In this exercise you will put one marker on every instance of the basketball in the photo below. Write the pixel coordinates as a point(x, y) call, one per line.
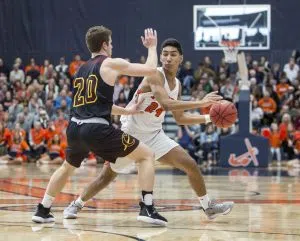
point(223, 114)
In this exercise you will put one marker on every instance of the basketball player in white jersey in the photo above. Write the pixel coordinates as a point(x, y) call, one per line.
point(160, 94)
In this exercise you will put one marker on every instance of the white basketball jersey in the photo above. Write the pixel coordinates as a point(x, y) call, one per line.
point(152, 118)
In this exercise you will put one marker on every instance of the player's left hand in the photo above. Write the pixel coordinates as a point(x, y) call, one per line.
point(210, 99)
point(150, 38)
point(134, 107)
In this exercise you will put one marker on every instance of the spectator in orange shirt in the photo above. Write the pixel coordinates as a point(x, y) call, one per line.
point(44, 68)
point(285, 120)
point(282, 88)
point(5, 139)
point(268, 106)
point(37, 140)
point(55, 151)
point(21, 131)
point(74, 66)
point(275, 142)
point(267, 103)
point(32, 69)
point(17, 150)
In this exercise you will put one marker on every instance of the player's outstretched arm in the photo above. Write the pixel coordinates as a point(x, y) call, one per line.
point(156, 83)
point(150, 42)
point(121, 66)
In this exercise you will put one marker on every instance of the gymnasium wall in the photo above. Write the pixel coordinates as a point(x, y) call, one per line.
point(54, 28)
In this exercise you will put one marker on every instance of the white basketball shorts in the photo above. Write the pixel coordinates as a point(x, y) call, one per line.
point(158, 142)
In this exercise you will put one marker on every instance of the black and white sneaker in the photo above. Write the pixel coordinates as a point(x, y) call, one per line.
point(42, 215)
point(148, 214)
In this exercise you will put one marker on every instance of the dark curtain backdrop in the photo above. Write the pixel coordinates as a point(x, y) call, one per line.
point(54, 28)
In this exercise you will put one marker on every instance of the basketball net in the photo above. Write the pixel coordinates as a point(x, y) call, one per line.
point(230, 49)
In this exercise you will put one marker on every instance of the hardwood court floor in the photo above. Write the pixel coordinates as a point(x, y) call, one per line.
point(267, 207)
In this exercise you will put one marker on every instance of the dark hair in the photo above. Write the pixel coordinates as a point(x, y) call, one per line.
point(96, 36)
point(171, 42)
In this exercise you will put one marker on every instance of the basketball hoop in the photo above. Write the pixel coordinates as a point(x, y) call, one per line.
point(230, 49)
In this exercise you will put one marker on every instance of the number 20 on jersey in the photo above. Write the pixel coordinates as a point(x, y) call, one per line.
point(86, 90)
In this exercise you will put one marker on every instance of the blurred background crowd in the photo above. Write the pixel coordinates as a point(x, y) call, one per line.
point(35, 101)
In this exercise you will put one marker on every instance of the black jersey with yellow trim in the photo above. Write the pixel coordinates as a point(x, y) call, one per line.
point(92, 97)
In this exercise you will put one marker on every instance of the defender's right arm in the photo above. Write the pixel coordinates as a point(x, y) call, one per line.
point(116, 66)
point(121, 66)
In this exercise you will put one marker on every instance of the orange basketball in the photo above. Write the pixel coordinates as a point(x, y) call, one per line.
point(223, 114)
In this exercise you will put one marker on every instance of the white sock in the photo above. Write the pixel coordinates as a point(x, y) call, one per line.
point(204, 200)
point(79, 202)
point(148, 199)
point(47, 200)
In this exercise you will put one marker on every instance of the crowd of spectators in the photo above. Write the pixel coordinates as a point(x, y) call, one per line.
point(35, 103)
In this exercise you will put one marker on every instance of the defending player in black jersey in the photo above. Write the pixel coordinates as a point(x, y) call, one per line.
point(90, 126)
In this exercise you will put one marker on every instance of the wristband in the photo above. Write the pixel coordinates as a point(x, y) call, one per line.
point(207, 119)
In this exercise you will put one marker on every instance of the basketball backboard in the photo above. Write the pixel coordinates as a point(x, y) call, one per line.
point(249, 24)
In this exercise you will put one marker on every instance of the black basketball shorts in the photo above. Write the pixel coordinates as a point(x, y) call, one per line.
point(103, 140)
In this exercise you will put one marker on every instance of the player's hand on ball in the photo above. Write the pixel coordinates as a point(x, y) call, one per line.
point(210, 99)
point(150, 38)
